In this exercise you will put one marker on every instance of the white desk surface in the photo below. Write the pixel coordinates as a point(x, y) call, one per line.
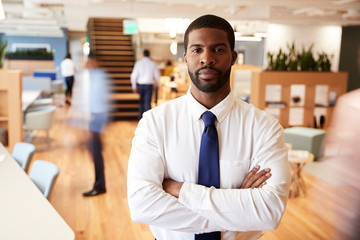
point(28, 97)
point(24, 211)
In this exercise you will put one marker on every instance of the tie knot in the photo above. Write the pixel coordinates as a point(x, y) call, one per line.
point(208, 118)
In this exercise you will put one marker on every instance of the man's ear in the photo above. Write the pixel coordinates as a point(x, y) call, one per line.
point(185, 57)
point(234, 57)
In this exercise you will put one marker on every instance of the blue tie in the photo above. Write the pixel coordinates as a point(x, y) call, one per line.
point(209, 174)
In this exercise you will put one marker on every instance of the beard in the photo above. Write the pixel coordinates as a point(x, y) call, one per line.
point(222, 78)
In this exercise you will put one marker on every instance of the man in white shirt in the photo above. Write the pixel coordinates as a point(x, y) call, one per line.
point(67, 67)
point(144, 77)
point(164, 160)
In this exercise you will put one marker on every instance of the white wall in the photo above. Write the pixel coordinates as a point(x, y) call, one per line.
point(325, 38)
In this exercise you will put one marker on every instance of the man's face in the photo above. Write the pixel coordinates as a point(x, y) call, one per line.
point(209, 59)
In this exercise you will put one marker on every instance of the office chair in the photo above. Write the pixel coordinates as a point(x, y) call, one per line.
point(44, 174)
point(42, 102)
point(23, 153)
point(40, 118)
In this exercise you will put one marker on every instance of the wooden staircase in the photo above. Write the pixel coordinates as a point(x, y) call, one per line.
point(115, 55)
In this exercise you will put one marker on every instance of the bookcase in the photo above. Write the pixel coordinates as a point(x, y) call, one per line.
point(298, 98)
point(11, 116)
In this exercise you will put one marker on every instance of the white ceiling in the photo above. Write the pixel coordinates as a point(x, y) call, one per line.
point(45, 17)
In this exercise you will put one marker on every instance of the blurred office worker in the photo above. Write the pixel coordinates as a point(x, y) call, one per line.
point(344, 163)
point(98, 107)
point(144, 78)
point(67, 67)
point(207, 165)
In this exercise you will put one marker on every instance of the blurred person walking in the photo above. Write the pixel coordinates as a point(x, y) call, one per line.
point(144, 77)
point(68, 70)
point(344, 163)
point(98, 102)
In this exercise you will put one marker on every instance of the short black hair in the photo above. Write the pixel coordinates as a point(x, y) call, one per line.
point(146, 53)
point(211, 21)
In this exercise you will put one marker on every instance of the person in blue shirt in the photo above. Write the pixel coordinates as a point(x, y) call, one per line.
point(98, 106)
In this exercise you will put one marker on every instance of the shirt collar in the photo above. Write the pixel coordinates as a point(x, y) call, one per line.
point(220, 110)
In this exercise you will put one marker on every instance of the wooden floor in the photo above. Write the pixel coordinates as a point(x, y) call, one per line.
point(106, 217)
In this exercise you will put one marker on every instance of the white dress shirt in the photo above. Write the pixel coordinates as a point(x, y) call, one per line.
point(67, 67)
point(166, 145)
point(145, 72)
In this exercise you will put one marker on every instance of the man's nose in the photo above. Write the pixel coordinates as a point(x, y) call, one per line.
point(207, 58)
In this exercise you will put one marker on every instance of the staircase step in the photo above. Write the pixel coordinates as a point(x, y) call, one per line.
point(124, 96)
point(126, 91)
point(108, 24)
point(116, 58)
point(113, 42)
point(106, 47)
point(124, 115)
point(121, 89)
point(109, 33)
point(115, 64)
point(119, 75)
point(119, 82)
point(104, 19)
point(124, 106)
point(107, 28)
point(123, 37)
point(114, 53)
point(118, 69)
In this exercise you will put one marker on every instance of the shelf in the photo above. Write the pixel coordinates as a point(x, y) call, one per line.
point(11, 115)
point(275, 91)
point(4, 118)
point(275, 104)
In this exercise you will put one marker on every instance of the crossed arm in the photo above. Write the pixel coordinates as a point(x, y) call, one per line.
point(253, 179)
point(190, 207)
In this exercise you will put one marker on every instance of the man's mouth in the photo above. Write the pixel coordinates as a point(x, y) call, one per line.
point(207, 74)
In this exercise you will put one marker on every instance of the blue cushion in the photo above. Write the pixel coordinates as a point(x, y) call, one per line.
point(51, 75)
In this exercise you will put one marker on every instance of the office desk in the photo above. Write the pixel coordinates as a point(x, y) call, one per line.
point(24, 211)
point(28, 97)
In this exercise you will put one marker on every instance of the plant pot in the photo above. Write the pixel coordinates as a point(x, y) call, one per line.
point(30, 57)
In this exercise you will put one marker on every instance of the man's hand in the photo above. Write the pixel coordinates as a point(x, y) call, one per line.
point(134, 90)
point(172, 187)
point(255, 179)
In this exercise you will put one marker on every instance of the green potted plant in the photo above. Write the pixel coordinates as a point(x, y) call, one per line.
point(279, 63)
point(306, 59)
point(299, 61)
point(271, 64)
point(293, 62)
point(324, 62)
point(37, 54)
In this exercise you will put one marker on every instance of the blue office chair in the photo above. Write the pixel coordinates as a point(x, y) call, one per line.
point(44, 174)
point(23, 153)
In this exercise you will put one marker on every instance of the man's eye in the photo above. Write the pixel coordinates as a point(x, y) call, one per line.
point(219, 50)
point(196, 50)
